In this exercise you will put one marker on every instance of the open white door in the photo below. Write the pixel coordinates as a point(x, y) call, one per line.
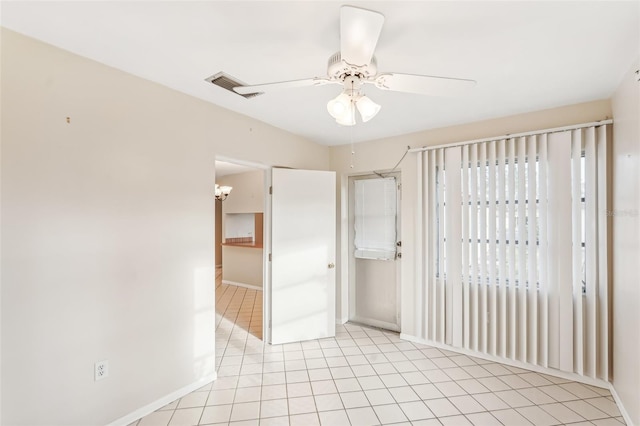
point(303, 232)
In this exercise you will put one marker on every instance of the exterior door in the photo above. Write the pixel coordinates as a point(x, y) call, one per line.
point(374, 235)
point(303, 240)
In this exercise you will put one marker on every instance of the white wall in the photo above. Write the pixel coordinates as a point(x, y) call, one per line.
point(239, 225)
point(384, 154)
point(107, 233)
point(625, 220)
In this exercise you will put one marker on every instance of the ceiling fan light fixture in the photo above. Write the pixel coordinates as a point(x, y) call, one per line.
point(341, 108)
point(347, 119)
point(339, 105)
point(367, 108)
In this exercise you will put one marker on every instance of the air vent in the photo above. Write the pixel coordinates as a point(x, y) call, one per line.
point(227, 82)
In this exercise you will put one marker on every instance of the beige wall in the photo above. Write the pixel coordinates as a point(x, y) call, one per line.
point(242, 266)
point(107, 233)
point(247, 195)
point(626, 243)
point(384, 154)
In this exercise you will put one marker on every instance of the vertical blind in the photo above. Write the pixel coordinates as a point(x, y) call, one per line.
point(512, 249)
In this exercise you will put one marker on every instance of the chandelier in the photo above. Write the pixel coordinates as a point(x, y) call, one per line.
point(222, 192)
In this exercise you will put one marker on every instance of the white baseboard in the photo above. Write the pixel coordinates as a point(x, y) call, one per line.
point(237, 284)
point(623, 411)
point(376, 323)
point(341, 321)
point(155, 405)
point(526, 366)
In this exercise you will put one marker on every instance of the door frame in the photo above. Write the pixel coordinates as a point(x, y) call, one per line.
point(348, 203)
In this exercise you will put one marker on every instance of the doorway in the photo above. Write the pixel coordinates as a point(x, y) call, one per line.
point(374, 250)
point(301, 288)
point(285, 226)
point(239, 224)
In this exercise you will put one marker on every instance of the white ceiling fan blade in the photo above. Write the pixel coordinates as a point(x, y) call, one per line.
point(267, 87)
point(359, 33)
point(424, 84)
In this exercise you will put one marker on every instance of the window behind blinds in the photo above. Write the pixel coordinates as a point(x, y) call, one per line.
point(375, 218)
point(511, 248)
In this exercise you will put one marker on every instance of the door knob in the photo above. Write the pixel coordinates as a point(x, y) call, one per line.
point(331, 265)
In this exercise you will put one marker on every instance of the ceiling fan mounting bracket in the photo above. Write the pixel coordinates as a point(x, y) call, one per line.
point(337, 69)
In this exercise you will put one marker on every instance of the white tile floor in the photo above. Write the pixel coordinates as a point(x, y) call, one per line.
point(368, 377)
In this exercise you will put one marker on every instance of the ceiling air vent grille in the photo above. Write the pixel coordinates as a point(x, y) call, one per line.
point(227, 82)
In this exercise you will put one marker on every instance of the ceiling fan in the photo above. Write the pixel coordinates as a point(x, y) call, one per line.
point(356, 65)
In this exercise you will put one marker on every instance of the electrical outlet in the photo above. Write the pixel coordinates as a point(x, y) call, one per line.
point(101, 370)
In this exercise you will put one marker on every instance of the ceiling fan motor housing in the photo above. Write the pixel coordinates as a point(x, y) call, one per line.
point(337, 69)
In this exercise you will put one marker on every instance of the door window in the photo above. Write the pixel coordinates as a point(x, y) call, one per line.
point(375, 218)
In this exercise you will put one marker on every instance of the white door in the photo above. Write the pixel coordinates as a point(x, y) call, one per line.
point(374, 245)
point(303, 232)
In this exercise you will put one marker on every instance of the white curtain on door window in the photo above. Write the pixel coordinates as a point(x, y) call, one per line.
point(375, 218)
point(511, 242)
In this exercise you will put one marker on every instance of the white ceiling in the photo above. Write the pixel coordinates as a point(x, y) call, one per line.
point(525, 56)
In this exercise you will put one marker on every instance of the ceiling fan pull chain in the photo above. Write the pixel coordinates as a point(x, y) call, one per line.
point(353, 151)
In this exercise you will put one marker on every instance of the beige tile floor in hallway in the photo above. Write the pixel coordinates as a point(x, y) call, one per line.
point(368, 377)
